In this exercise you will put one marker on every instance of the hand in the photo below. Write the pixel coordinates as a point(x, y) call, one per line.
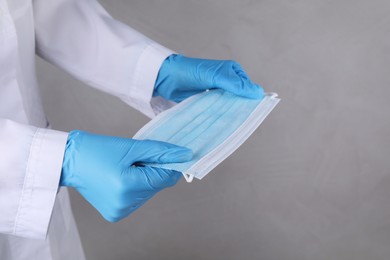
point(107, 172)
point(180, 77)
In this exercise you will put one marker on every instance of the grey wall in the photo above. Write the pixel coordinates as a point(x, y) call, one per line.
point(312, 184)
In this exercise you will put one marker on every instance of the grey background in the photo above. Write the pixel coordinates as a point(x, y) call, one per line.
point(312, 183)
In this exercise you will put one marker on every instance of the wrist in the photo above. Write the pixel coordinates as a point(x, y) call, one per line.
point(66, 171)
point(179, 78)
point(163, 74)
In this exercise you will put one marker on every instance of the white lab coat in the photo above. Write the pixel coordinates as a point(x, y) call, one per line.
point(83, 39)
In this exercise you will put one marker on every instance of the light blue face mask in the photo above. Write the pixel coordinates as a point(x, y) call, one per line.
point(213, 124)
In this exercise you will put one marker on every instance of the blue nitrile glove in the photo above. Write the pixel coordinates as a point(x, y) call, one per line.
point(181, 77)
point(107, 171)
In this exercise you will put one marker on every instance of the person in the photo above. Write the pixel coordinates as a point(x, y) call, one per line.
point(38, 163)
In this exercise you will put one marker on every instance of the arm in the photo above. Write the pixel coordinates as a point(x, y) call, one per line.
point(84, 40)
point(30, 169)
point(35, 161)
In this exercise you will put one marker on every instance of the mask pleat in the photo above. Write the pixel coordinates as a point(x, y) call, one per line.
point(203, 123)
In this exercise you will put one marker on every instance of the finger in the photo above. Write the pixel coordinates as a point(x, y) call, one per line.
point(150, 151)
point(243, 87)
point(251, 90)
point(152, 178)
point(239, 70)
point(236, 81)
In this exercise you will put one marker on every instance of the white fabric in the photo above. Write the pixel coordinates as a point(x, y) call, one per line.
point(80, 37)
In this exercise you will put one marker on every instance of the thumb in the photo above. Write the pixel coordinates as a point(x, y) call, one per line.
point(150, 151)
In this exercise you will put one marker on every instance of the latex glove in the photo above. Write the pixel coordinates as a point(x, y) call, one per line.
point(180, 77)
point(107, 172)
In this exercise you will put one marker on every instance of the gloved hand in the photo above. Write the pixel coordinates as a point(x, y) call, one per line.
point(180, 77)
point(107, 172)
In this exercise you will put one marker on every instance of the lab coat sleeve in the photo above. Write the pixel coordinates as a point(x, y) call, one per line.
point(83, 39)
point(30, 169)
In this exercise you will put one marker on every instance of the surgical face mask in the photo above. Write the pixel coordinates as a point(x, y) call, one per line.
point(213, 124)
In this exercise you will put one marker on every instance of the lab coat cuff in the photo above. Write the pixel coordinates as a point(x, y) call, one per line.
point(146, 73)
point(41, 183)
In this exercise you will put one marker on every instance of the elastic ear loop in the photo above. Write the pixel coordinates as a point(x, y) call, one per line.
point(188, 177)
